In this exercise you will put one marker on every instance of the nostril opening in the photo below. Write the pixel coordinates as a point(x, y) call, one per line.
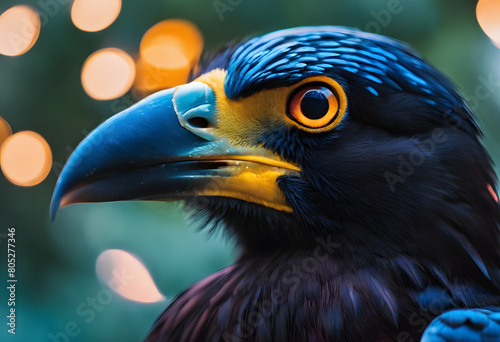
point(199, 122)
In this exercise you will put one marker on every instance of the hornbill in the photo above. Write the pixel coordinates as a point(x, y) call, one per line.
point(349, 170)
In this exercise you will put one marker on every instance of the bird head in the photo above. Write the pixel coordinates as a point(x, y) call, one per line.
point(306, 134)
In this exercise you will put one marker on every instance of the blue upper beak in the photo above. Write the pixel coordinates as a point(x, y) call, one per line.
point(136, 148)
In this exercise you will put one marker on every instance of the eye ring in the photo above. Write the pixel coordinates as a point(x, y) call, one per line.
point(313, 105)
point(317, 104)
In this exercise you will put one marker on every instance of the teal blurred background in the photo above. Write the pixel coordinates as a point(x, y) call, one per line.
point(41, 91)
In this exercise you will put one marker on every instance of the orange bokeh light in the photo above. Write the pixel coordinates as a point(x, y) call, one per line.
point(168, 51)
point(108, 74)
point(163, 67)
point(181, 34)
point(19, 30)
point(25, 158)
point(137, 286)
point(492, 192)
point(488, 16)
point(5, 130)
point(95, 15)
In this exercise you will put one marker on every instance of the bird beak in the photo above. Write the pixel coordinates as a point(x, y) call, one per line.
point(167, 147)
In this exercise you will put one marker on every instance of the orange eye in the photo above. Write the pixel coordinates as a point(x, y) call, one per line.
point(313, 105)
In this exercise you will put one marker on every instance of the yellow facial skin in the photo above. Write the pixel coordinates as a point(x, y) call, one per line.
point(243, 121)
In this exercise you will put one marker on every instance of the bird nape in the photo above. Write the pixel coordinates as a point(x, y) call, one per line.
point(349, 170)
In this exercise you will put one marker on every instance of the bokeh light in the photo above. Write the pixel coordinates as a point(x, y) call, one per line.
point(492, 192)
point(168, 51)
point(488, 16)
point(19, 30)
point(5, 130)
point(25, 158)
point(95, 15)
point(108, 74)
point(136, 285)
point(181, 34)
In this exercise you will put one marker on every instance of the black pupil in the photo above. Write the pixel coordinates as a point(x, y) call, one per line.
point(314, 104)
